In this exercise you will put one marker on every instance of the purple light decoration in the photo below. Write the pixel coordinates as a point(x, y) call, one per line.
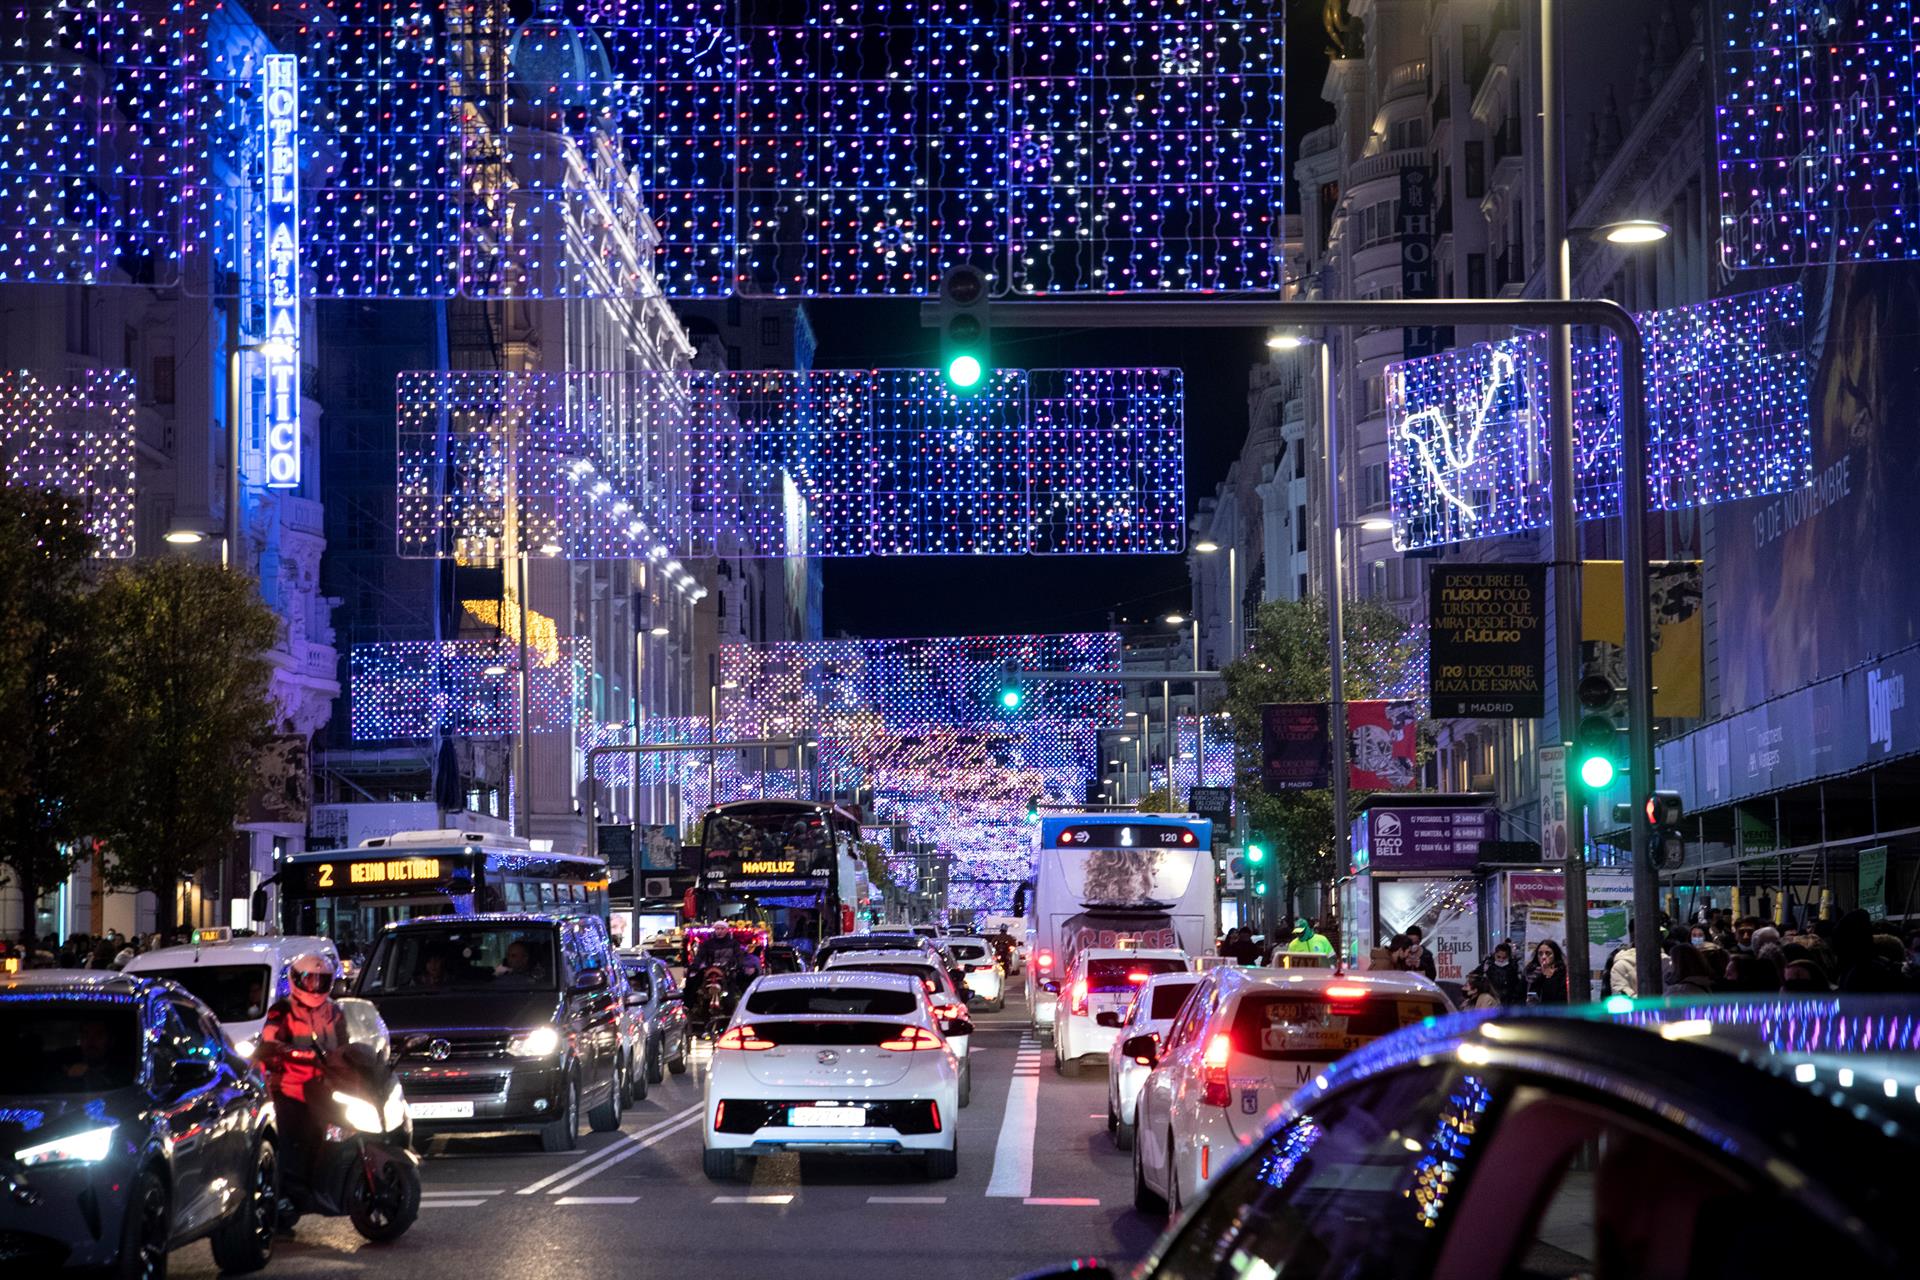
point(410, 689)
point(1727, 388)
point(1815, 128)
point(76, 436)
point(883, 462)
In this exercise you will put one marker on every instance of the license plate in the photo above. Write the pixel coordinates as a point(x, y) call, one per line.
point(440, 1110)
point(827, 1117)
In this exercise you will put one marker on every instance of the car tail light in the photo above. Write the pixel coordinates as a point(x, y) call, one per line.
point(1077, 996)
point(719, 1114)
point(935, 1108)
point(1349, 992)
point(1214, 1070)
point(742, 1037)
point(912, 1040)
point(1044, 960)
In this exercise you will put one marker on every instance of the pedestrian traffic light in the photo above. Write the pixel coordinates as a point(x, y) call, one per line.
point(1666, 843)
point(1010, 691)
point(1259, 888)
point(964, 339)
point(1597, 741)
point(1256, 855)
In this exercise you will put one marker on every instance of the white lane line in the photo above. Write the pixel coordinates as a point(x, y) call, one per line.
point(1013, 1153)
point(906, 1199)
point(460, 1194)
point(780, 1199)
point(451, 1204)
point(1069, 1202)
point(657, 1135)
point(600, 1155)
point(565, 1200)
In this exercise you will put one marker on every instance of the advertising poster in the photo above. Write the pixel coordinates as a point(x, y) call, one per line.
point(1383, 748)
point(1487, 655)
point(1296, 754)
point(1448, 913)
point(1536, 909)
point(1553, 804)
point(1873, 881)
point(1677, 591)
point(282, 787)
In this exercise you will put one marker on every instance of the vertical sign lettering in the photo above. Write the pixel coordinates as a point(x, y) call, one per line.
point(280, 353)
point(1419, 276)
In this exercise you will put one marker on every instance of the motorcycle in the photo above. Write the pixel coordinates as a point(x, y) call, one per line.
point(363, 1164)
point(711, 1005)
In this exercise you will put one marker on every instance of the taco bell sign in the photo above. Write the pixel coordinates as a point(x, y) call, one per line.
point(1434, 838)
point(280, 352)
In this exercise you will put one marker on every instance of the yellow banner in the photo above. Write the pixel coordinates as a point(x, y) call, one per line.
point(1677, 625)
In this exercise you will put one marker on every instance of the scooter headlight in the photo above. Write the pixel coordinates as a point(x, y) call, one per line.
point(360, 1113)
point(394, 1111)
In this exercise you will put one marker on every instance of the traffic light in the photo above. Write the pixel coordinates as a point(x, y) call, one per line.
point(1255, 855)
point(1033, 808)
point(965, 343)
point(1010, 691)
point(1666, 844)
point(1259, 888)
point(1596, 743)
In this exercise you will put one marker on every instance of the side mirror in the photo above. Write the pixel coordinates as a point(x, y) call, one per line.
point(259, 905)
point(1142, 1049)
point(1108, 1018)
point(590, 982)
point(956, 1026)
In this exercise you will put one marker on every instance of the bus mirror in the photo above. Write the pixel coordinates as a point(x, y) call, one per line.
point(259, 905)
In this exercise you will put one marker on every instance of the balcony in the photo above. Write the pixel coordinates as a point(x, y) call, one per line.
point(1407, 80)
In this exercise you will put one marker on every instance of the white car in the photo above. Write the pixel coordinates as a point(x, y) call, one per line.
point(1102, 980)
point(1244, 1040)
point(948, 1004)
point(238, 978)
point(846, 1061)
point(976, 958)
point(1155, 1002)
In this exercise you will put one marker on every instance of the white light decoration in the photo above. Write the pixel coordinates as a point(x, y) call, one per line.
point(76, 436)
point(1728, 418)
point(405, 689)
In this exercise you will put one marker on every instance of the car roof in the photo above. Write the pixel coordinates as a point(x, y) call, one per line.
point(528, 918)
point(41, 983)
point(967, 937)
point(236, 951)
point(880, 957)
point(1172, 976)
point(878, 938)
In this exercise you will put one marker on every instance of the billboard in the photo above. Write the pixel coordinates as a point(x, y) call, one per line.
point(1296, 752)
point(1383, 745)
point(1487, 641)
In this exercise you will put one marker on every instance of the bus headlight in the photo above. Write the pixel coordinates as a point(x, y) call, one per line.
point(540, 1042)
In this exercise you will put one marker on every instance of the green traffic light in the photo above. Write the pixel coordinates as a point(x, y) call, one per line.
point(1596, 772)
point(1259, 888)
point(1009, 698)
point(1255, 854)
point(965, 371)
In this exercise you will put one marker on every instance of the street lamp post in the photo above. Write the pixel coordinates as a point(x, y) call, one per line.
point(1336, 629)
point(1207, 547)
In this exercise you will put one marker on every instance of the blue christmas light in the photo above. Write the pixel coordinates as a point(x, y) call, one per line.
point(406, 689)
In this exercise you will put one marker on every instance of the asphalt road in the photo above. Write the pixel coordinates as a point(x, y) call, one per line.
point(1047, 1187)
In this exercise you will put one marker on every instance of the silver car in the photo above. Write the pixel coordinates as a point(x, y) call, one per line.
point(655, 1001)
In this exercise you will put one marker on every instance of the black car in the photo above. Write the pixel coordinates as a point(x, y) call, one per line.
point(128, 1127)
point(504, 1022)
point(1700, 1139)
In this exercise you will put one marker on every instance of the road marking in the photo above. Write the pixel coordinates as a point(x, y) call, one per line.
point(460, 1193)
point(594, 1160)
point(565, 1200)
point(1068, 1202)
point(1013, 1153)
point(656, 1135)
point(906, 1199)
point(781, 1199)
point(451, 1204)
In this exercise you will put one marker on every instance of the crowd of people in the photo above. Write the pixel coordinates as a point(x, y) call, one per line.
point(109, 950)
point(1718, 953)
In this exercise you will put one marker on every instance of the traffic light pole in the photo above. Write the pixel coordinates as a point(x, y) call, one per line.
point(1233, 313)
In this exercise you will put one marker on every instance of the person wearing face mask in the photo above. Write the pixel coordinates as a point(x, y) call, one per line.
point(1504, 979)
point(1697, 935)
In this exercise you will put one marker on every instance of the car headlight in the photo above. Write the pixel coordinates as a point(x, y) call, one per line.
point(538, 1043)
point(395, 1109)
point(360, 1113)
point(89, 1147)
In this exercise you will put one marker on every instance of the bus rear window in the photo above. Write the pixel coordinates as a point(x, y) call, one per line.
point(1310, 1027)
point(1125, 975)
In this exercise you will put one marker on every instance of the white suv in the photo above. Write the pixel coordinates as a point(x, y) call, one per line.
point(1243, 1042)
point(1102, 981)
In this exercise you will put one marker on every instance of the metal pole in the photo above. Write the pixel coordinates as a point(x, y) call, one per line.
point(1639, 646)
point(523, 740)
point(1166, 726)
point(1233, 604)
point(232, 551)
point(1336, 628)
point(1566, 526)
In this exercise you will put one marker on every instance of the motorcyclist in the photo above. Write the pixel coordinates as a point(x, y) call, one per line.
point(299, 1032)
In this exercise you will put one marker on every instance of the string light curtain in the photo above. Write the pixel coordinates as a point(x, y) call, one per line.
point(881, 462)
point(415, 689)
point(76, 435)
point(1728, 418)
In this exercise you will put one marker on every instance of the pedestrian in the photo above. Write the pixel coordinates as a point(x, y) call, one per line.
point(1623, 971)
point(1398, 956)
point(1861, 967)
point(1479, 994)
point(1805, 976)
point(1548, 985)
point(1697, 935)
point(1423, 959)
point(1691, 977)
point(1503, 975)
point(1749, 974)
point(1306, 942)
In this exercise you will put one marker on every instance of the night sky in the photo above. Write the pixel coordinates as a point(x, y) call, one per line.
point(974, 595)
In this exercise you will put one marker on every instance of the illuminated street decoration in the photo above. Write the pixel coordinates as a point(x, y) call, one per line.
point(280, 203)
point(1727, 387)
point(1819, 161)
point(76, 436)
point(836, 147)
point(884, 462)
point(408, 689)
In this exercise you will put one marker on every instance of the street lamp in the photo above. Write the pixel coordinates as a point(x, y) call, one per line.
point(1284, 341)
point(1377, 524)
point(1207, 547)
point(1629, 232)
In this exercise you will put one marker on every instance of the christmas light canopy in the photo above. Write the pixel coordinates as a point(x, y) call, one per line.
point(75, 435)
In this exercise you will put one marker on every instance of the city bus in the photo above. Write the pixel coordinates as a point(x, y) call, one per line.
point(349, 895)
point(1114, 879)
point(792, 867)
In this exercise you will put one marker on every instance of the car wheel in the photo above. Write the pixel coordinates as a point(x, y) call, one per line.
point(244, 1242)
point(146, 1229)
point(638, 1082)
point(605, 1118)
point(1113, 1121)
point(679, 1063)
point(720, 1166)
point(943, 1166)
point(1145, 1199)
point(1173, 1178)
point(1064, 1066)
point(966, 1083)
point(564, 1134)
point(656, 1053)
point(1123, 1135)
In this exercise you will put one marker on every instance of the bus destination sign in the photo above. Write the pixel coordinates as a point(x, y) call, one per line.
point(1133, 835)
point(373, 875)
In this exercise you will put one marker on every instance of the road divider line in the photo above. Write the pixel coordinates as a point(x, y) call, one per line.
point(566, 1200)
point(451, 1204)
point(595, 1157)
point(1013, 1152)
point(786, 1198)
point(460, 1193)
point(657, 1135)
point(1066, 1202)
point(906, 1199)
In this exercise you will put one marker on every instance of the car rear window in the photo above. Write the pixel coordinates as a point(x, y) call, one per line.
point(1312, 1027)
point(929, 976)
point(1168, 997)
point(968, 951)
point(235, 992)
point(1125, 975)
point(876, 1001)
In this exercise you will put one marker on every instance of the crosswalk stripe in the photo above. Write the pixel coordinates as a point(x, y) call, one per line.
point(1068, 1202)
point(780, 1199)
point(451, 1204)
point(1013, 1152)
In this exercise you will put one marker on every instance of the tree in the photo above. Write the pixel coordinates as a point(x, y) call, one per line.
point(1158, 800)
point(53, 756)
point(188, 681)
point(1287, 661)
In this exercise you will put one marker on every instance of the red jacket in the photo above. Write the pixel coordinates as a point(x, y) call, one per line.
point(293, 1041)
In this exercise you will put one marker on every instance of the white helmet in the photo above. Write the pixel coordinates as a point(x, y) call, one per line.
point(311, 978)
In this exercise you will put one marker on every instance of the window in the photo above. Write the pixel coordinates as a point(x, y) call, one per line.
point(1377, 580)
point(1375, 390)
point(1476, 170)
point(1374, 486)
point(1353, 1188)
point(1406, 134)
point(235, 992)
point(770, 331)
point(883, 1002)
point(1476, 275)
point(1300, 527)
point(1168, 997)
